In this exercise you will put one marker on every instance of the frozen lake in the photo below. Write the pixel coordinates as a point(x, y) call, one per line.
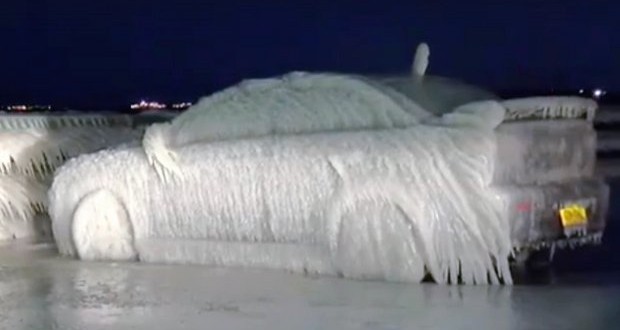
point(39, 290)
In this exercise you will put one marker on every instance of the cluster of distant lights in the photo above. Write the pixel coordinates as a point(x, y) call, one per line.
point(597, 93)
point(183, 105)
point(24, 107)
point(144, 105)
point(147, 105)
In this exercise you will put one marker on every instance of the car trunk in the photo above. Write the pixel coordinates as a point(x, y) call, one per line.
point(545, 170)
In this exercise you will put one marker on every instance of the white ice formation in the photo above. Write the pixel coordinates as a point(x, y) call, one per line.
point(293, 104)
point(420, 61)
point(32, 147)
point(384, 204)
point(319, 173)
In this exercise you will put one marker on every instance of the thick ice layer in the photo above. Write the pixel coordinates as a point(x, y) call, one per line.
point(37, 152)
point(540, 152)
point(291, 104)
point(533, 209)
point(20, 198)
point(52, 121)
point(32, 147)
point(550, 107)
point(384, 204)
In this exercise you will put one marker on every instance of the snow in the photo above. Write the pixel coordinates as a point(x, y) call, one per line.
point(371, 204)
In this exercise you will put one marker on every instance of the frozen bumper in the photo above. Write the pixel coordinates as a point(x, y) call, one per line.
point(534, 213)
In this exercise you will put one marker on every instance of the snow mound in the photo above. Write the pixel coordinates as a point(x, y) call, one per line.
point(292, 104)
point(388, 204)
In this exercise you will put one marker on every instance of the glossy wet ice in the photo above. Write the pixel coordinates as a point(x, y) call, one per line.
point(39, 290)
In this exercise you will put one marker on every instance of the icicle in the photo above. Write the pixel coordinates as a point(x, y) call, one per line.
point(32, 147)
point(159, 155)
point(17, 197)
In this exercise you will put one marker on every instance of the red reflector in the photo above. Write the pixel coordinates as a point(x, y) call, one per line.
point(524, 206)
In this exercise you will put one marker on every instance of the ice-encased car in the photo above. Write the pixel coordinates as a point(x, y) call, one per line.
point(389, 178)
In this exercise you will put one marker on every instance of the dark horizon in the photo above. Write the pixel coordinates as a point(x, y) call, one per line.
point(609, 98)
point(93, 54)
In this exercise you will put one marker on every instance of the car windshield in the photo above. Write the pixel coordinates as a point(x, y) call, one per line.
point(436, 94)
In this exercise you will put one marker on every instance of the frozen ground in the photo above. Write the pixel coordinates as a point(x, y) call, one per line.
point(39, 290)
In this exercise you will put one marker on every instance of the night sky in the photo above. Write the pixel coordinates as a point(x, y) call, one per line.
point(94, 53)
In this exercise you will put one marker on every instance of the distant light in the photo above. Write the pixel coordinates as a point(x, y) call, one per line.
point(182, 105)
point(144, 105)
point(598, 93)
point(21, 107)
point(581, 91)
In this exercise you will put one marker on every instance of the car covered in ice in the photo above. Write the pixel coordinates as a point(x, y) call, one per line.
point(393, 178)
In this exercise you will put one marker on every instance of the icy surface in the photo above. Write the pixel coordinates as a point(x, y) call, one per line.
point(551, 107)
point(540, 152)
point(37, 152)
point(56, 120)
point(381, 204)
point(38, 290)
point(32, 147)
point(295, 103)
point(532, 209)
point(19, 196)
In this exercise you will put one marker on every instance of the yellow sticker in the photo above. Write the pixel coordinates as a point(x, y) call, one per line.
point(573, 215)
